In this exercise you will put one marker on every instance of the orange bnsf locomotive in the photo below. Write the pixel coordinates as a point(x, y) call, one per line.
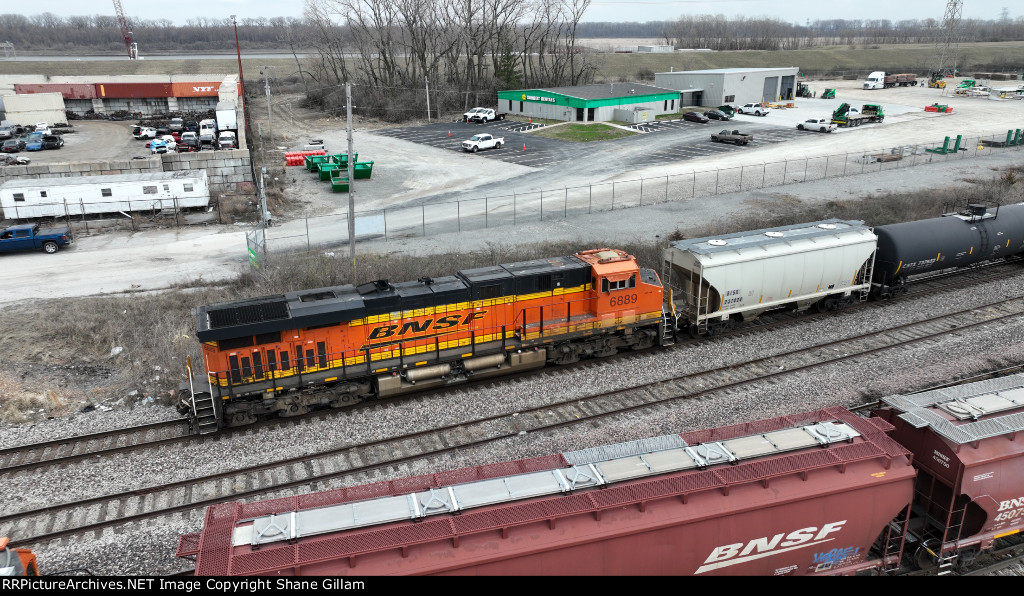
point(381, 339)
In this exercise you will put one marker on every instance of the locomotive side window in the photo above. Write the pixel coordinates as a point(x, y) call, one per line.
point(621, 284)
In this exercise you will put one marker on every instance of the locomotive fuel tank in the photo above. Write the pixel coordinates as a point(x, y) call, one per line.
point(959, 239)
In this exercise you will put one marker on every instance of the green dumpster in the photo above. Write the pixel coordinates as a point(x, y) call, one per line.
point(326, 169)
point(362, 169)
point(342, 158)
point(313, 161)
point(339, 180)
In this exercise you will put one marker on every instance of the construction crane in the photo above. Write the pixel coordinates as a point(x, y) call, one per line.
point(129, 42)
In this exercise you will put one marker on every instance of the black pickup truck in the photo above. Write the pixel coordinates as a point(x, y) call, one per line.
point(30, 237)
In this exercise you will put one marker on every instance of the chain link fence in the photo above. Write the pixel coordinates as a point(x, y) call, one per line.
point(325, 232)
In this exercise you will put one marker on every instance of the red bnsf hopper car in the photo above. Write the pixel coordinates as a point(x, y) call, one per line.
point(968, 449)
point(382, 339)
point(806, 494)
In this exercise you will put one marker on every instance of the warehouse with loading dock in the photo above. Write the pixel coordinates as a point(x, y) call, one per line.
point(721, 86)
point(624, 102)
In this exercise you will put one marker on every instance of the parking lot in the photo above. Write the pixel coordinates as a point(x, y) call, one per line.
point(90, 140)
point(689, 140)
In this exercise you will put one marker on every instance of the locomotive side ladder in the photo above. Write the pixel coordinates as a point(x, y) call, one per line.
point(668, 323)
point(204, 409)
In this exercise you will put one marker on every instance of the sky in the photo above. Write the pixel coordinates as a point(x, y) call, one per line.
point(794, 11)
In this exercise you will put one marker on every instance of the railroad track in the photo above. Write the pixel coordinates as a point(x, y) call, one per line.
point(175, 435)
point(359, 461)
point(70, 449)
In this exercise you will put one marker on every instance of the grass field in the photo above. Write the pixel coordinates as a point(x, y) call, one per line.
point(583, 133)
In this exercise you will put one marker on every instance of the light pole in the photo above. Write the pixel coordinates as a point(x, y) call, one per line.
point(238, 49)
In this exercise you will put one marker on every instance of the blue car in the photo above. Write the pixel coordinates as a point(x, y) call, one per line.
point(34, 142)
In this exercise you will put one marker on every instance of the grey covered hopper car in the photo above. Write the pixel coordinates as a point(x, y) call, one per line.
point(955, 240)
point(715, 281)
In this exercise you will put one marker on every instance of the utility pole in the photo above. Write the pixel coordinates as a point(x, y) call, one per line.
point(351, 186)
point(427, 81)
point(266, 84)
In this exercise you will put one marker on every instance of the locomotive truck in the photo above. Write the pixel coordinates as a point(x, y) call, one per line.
point(383, 339)
point(932, 478)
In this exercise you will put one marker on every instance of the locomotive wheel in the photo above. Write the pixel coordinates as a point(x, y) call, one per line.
point(566, 354)
point(645, 341)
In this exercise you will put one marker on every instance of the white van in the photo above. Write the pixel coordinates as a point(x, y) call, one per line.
point(208, 131)
point(227, 140)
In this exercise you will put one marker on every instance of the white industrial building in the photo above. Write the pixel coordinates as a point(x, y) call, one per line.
point(25, 198)
point(721, 86)
point(27, 110)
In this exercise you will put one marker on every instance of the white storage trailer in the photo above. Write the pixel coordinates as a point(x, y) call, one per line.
point(123, 193)
point(713, 281)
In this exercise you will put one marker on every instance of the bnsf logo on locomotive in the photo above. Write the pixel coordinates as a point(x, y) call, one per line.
point(409, 327)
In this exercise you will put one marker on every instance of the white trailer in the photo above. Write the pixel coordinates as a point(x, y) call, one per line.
point(716, 281)
point(226, 116)
point(123, 193)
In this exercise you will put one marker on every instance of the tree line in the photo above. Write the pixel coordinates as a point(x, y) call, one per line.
point(101, 33)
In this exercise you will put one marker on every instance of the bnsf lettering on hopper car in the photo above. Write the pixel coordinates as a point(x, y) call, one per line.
point(1010, 504)
point(413, 327)
point(731, 554)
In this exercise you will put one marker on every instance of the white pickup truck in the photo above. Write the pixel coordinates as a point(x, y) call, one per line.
point(483, 115)
point(482, 141)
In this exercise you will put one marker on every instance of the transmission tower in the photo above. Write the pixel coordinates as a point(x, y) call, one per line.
point(129, 42)
point(948, 39)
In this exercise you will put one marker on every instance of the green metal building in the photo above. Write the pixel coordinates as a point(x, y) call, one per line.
point(626, 102)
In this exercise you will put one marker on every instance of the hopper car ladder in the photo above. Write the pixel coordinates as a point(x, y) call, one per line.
point(947, 555)
point(893, 542)
point(867, 274)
